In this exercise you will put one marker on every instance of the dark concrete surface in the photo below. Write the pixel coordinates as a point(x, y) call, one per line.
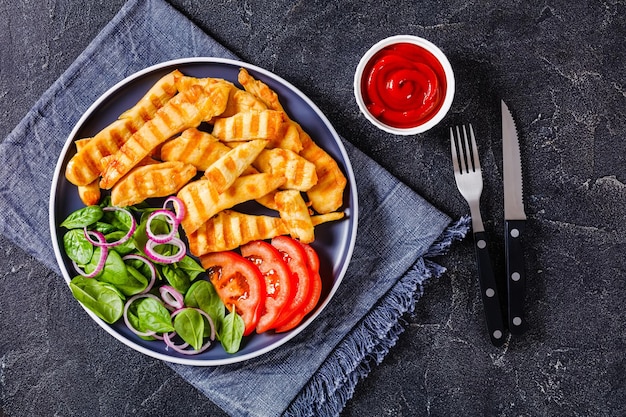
point(561, 67)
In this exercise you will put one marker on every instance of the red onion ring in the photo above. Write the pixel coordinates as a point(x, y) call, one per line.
point(171, 219)
point(125, 314)
point(172, 297)
point(179, 207)
point(104, 253)
point(166, 259)
point(153, 272)
point(183, 347)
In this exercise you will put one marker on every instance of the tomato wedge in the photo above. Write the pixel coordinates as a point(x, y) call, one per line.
point(313, 266)
point(239, 283)
point(278, 281)
point(295, 256)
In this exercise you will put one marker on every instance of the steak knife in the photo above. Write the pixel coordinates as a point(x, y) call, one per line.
point(514, 224)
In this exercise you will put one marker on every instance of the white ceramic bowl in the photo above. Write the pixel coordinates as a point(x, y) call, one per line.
point(432, 119)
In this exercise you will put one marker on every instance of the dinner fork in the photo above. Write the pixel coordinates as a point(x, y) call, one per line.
point(469, 181)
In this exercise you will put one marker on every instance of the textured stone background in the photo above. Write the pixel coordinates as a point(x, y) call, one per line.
point(561, 67)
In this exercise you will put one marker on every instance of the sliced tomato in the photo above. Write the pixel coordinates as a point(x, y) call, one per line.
point(239, 283)
point(313, 266)
point(278, 281)
point(295, 256)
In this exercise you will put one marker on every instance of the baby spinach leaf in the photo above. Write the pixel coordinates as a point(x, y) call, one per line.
point(137, 278)
point(232, 328)
point(83, 217)
point(202, 295)
point(104, 228)
point(77, 247)
point(176, 277)
point(118, 219)
point(154, 316)
point(116, 273)
point(103, 301)
point(191, 267)
point(189, 324)
point(123, 249)
point(134, 321)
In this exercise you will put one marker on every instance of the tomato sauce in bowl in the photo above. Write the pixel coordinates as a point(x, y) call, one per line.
point(404, 85)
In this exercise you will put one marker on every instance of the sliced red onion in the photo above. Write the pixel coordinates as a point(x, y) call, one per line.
point(125, 314)
point(153, 272)
point(171, 219)
point(100, 239)
point(167, 337)
point(179, 207)
point(104, 252)
point(172, 297)
point(166, 259)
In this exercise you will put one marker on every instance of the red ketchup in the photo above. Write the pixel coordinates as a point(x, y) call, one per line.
point(403, 85)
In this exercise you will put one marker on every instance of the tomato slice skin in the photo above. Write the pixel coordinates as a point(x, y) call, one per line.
point(278, 281)
point(313, 266)
point(296, 259)
point(238, 282)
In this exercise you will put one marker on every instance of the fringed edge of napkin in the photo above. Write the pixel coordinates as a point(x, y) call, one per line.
point(334, 383)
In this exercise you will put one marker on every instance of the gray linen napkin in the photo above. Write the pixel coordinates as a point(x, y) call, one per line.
point(316, 372)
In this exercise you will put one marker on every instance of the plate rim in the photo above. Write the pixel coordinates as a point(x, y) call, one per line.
point(349, 175)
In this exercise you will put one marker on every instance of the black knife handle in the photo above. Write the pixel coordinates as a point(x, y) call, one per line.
point(515, 274)
point(489, 290)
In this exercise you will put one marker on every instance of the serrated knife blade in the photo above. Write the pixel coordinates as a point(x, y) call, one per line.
point(515, 223)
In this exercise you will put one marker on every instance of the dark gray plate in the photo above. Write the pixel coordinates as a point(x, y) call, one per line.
point(334, 241)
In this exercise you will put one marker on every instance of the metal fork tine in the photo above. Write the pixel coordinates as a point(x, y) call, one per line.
point(474, 149)
point(467, 151)
point(463, 151)
point(455, 152)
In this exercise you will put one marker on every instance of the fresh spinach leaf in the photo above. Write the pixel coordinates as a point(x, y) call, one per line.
point(154, 316)
point(191, 267)
point(138, 278)
point(232, 328)
point(123, 249)
point(118, 219)
point(134, 321)
point(83, 217)
point(104, 228)
point(77, 247)
point(176, 277)
point(116, 273)
point(202, 295)
point(103, 301)
point(189, 324)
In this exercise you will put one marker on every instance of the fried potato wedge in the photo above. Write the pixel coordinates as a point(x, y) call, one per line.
point(327, 195)
point(202, 201)
point(260, 90)
point(230, 229)
point(208, 83)
point(194, 147)
point(187, 109)
point(89, 194)
point(159, 94)
point(241, 101)
point(318, 219)
point(300, 173)
point(152, 180)
point(266, 124)
point(86, 166)
point(295, 213)
point(223, 172)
